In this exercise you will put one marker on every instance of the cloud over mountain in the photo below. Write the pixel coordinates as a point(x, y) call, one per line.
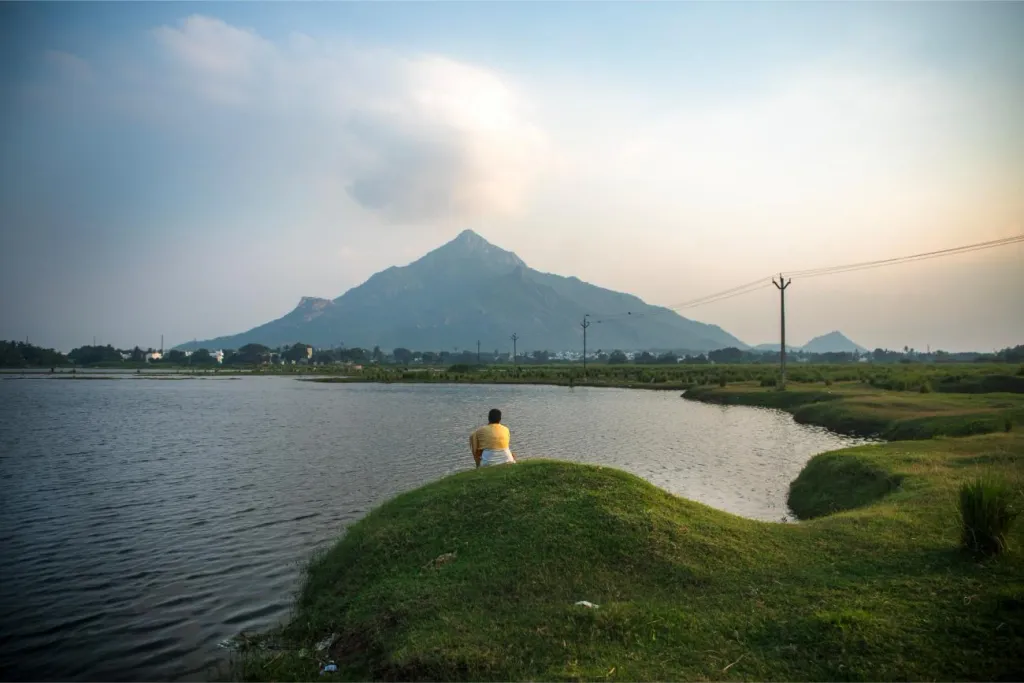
point(413, 138)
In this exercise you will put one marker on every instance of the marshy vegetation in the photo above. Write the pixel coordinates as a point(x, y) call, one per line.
point(941, 378)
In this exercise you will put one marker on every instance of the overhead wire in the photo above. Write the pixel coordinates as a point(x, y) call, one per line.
point(766, 281)
point(816, 272)
point(700, 301)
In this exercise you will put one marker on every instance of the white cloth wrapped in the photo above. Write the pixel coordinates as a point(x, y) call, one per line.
point(495, 456)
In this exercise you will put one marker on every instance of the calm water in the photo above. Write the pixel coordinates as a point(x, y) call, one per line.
point(142, 521)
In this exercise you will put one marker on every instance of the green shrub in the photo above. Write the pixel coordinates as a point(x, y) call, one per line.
point(828, 382)
point(722, 381)
point(925, 388)
point(768, 382)
point(987, 511)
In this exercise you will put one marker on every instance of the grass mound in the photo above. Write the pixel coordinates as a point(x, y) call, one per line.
point(852, 408)
point(833, 482)
point(475, 577)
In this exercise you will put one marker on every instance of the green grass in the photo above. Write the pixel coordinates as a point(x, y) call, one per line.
point(879, 591)
point(852, 408)
point(988, 508)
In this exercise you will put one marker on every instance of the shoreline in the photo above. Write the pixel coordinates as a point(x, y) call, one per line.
point(890, 415)
point(478, 576)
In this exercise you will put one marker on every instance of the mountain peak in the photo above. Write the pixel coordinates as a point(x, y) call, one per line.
point(467, 290)
point(468, 236)
point(470, 241)
point(833, 341)
point(469, 245)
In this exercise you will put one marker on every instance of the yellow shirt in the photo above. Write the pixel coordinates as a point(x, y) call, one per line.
point(489, 437)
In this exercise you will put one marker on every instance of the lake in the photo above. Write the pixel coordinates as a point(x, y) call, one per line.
point(146, 520)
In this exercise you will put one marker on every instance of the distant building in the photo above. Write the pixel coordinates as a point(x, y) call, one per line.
point(218, 356)
point(154, 355)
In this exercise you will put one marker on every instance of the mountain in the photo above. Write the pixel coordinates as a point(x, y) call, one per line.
point(775, 347)
point(469, 290)
point(832, 342)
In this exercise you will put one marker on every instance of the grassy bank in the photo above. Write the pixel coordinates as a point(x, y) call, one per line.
point(475, 578)
point(940, 378)
point(509, 379)
point(853, 408)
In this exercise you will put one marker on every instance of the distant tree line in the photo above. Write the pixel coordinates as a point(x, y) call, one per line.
point(25, 355)
point(20, 354)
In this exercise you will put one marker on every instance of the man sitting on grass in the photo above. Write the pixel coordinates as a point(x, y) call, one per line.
point(490, 443)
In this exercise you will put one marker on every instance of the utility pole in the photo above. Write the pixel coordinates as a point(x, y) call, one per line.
point(514, 338)
point(161, 344)
point(781, 285)
point(478, 352)
point(585, 324)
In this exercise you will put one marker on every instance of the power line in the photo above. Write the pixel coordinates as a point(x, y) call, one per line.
point(763, 282)
point(752, 286)
point(980, 246)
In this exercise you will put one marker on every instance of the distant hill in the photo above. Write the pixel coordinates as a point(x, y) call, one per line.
point(833, 342)
point(775, 347)
point(469, 290)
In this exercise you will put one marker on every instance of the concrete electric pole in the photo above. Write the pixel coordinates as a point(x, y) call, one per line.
point(585, 324)
point(782, 284)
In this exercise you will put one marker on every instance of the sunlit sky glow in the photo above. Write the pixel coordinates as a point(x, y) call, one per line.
point(193, 170)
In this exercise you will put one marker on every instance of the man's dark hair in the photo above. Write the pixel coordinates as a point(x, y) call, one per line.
point(494, 417)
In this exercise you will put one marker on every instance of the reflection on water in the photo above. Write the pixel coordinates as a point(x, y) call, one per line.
point(144, 521)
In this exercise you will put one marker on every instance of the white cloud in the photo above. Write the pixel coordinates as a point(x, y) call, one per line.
point(415, 139)
point(825, 133)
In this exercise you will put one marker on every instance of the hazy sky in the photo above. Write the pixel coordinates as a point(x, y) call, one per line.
point(193, 170)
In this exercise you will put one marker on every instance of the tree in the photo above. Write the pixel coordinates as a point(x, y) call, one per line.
point(202, 357)
point(250, 354)
point(356, 355)
point(541, 356)
point(402, 355)
point(137, 355)
point(176, 356)
point(617, 357)
point(324, 356)
point(727, 355)
point(378, 355)
point(22, 354)
point(668, 357)
point(297, 352)
point(645, 358)
point(429, 358)
point(90, 355)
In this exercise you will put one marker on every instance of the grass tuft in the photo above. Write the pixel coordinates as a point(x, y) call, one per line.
point(987, 511)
